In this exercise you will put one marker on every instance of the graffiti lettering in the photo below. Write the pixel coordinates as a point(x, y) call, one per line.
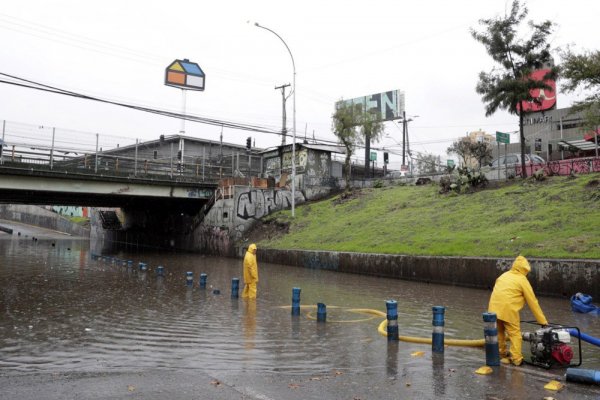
point(257, 203)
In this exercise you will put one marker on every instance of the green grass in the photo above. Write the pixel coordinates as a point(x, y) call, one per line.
point(555, 218)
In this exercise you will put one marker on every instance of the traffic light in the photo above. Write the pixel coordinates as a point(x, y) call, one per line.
point(249, 143)
point(386, 158)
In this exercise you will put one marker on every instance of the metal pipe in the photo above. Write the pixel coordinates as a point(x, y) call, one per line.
point(392, 319)
point(321, 312)
point(2, 144)
point(490, 331)
point(294, 118)
point(296, 301)
point(203, 281)
point(96, 163)
point(437, 336)
point(235, 287)
point(136, 158)
point(52, 149)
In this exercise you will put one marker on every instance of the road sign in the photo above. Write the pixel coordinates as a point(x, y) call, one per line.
point(502, 137)
point(450, 163)
point(373, 156)
point(404, 168)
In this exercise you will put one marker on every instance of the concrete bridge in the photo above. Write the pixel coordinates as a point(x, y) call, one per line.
point(20, 185)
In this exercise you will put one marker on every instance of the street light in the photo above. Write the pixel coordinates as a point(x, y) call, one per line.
point(294, 118)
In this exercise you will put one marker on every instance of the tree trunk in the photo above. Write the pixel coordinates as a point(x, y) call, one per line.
point(347, 168)
point(522, 137)
point(367, 155)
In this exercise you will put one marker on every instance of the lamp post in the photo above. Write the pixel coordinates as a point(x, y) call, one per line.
point(294, 118)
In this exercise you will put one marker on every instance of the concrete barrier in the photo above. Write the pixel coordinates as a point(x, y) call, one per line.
point(38, 216)
point(550, 277)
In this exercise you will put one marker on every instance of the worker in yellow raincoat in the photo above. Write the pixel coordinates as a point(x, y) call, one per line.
point(511, 291)
point(250, 273)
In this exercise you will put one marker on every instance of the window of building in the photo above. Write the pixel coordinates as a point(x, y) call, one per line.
point(155, 155)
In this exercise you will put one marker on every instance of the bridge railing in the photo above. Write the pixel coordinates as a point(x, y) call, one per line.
point(24, 146)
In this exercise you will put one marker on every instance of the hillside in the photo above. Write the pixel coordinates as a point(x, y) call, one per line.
point(555, 218)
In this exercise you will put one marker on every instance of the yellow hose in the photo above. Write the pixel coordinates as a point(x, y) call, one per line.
point(382, 329)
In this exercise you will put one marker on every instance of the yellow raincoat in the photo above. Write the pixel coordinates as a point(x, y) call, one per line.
point(511, 291)
point(250, 273)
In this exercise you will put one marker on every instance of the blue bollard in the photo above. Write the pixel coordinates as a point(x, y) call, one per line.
point(392, 319)
point(140, 265)
point(203, 281)
point(235, 288)
point(144, 267)
point(437, 336)
point(321, 312)
point(583, 375)
point(296, 301)
point(490, 331)
point(189, 278)
point(129, 263)
point(160, 270)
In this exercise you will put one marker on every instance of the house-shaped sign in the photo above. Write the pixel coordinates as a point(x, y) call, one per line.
point(185, 74)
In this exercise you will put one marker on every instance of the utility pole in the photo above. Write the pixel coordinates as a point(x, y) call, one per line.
point(283, 113)
point(403, 138)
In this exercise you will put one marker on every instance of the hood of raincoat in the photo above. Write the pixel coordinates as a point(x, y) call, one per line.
point(521, 265)
point(252, 248)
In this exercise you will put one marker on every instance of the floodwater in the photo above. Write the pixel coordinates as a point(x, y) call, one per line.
point(62, 310)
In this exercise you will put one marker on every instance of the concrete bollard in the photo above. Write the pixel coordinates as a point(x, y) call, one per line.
point(160, 270)
point(235, 288)
point(189, 278)
point(392, 319)
point(490, 332)
point(437, 336)
point(321, 312)
point(583, 376)
point(203, 281)
point(296, 301)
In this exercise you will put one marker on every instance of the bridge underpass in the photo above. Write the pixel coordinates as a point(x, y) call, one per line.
point(157, 213)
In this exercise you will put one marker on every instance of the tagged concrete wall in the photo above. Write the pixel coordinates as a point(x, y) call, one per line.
point(246, 206)
point(547, 277)
point(38, 216)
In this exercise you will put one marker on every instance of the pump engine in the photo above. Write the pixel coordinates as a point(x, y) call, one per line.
point(550, 346)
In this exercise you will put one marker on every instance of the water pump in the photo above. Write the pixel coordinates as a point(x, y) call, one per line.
point(551, 346)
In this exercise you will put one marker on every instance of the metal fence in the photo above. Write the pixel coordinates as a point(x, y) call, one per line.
point(26, 146)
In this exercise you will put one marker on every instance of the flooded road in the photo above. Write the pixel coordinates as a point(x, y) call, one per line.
point(61, 310)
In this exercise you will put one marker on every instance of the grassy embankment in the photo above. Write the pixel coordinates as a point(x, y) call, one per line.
point(555, 218)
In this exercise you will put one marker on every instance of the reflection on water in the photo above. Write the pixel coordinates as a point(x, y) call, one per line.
point(61, 309)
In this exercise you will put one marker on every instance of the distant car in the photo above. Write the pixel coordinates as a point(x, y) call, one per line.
point(505, 166)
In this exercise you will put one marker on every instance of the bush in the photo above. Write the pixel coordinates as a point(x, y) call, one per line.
point(462, 181)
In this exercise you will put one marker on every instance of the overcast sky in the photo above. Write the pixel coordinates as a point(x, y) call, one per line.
point(118, 50)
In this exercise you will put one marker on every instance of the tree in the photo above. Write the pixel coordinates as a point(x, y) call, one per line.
point(428, 163)
point(511, 85)
point(482, 152)
point(345, 128)
point(462, 149)
point(372, 130)
point(467, 150)
point(582, 71)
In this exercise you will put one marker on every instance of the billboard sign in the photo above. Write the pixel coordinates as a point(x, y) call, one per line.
point(546, 99)
point(388, 105)
point(185, 74)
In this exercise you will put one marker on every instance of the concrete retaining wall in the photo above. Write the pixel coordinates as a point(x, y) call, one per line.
point(548, 277)
point(38, 216)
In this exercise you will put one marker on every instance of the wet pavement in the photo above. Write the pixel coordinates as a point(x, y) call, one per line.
point(75, 327)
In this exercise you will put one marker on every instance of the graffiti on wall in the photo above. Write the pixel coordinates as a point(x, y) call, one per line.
point(256, 203)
